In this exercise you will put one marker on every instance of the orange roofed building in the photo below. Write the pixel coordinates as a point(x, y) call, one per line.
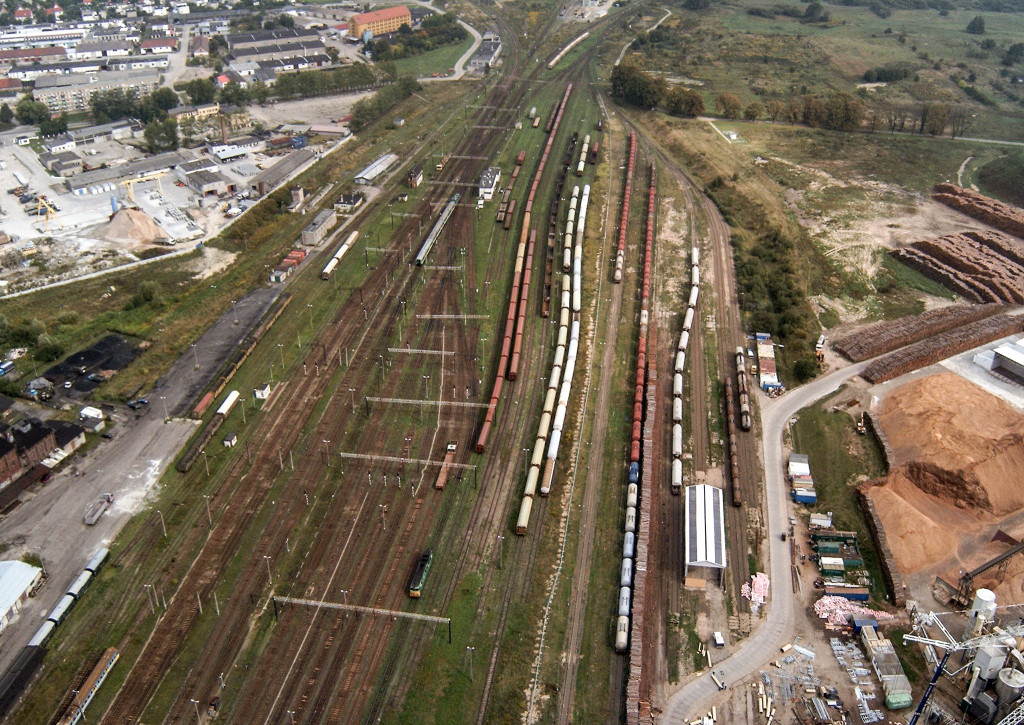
point(379, 22)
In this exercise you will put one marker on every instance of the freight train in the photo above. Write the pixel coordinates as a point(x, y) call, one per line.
point(540, 475)
point(633, 480)
point(24, 666)
point(741, 385)
point(514, 297)
point(679, 369)
point(335, 259)
point(199, 444)
point(627, 192)
point(731, 451)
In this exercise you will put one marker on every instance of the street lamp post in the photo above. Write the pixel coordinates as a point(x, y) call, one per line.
point(470, 650)
point(163, 401)
point(310, 308)
point(163, 526)
point(383, 519)
point(195, 355)
point(195, 704)
point(280, 346)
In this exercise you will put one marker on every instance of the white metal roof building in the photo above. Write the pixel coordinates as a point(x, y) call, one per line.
point(376, 169)
point(16, 580)
point(704, 541)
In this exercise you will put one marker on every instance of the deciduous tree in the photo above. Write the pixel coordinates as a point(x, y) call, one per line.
point(728, 105)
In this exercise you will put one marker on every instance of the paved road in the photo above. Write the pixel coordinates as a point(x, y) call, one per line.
point(460, 65)
point(129, 466)
point(698, 695)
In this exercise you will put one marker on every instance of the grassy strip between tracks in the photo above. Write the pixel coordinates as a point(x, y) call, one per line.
point(840, 459)
point(442, 690)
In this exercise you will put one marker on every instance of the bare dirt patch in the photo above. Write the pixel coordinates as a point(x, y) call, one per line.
point(307, 110)
point(954, 484)
point(211, 262)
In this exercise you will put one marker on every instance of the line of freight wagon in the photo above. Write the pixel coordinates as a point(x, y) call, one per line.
point(680, 367)
point(627, 193)
point(21, 671)
point(633, 477)
point(514, 297)
point(553, 233)
point(199, 444)
point(559, 388)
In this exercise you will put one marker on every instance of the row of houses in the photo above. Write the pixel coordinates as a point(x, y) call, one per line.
point(71, 93)
point(72, 67)
point(31, 441)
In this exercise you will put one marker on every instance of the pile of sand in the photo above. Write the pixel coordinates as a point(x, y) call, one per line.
point(132, 226)
point(958, 457)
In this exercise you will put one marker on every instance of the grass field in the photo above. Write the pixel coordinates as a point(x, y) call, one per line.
point(1003, 178)
point(757, 58)
point(433, 61)
point(840, 459)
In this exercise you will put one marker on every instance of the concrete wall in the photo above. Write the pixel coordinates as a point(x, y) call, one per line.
point(888, 561)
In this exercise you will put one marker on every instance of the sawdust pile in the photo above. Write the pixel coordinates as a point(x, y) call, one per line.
point(955, 482)
point(132, 226)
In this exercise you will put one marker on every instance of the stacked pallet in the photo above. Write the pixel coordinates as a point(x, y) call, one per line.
point(983, 208)
point(887, 336)
point(981, 266)
point(934, 349)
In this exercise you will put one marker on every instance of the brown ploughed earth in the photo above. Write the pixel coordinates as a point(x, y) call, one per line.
point(955, 483)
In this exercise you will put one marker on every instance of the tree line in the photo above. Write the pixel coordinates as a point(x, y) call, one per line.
point(838, 111)
point(435, 31)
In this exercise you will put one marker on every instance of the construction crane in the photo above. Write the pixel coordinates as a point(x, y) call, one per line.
point(44, 206)
point(950, 645)
point(130, 183)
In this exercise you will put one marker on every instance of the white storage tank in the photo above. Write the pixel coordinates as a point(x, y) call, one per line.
point(556, 438)
point(677, 384)
point(621, 633)
point(693, 296)
point(677, 473)
point(695, 256)
point(559, 421)
point(525, 508)
point(545, 425)
point(677, 410)
point(984, 604)
point(631, 520)
point(559, 356)
point(695, 276)
point(631, 494)
point(1009, 685)
point(538, 452)
point(626, 573)
point(684, 340)
point(556, 376)
point(680, 361)
point(688, 320)
point(531, 481)
point(677, 441)
point(624, 595)
point(629, 545)
point(570, 369)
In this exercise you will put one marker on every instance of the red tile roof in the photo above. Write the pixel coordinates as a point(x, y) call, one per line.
point(21, 53)
point(159, 43)
point(377, 15)
point(22, 13)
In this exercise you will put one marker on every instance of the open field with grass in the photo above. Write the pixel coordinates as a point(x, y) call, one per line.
point(730, 50)
point(840, 460)
point(433, 61)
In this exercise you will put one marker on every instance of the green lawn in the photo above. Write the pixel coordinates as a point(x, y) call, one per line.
point(433, 61)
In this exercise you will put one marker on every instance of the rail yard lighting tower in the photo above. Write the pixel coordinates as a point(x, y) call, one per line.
point(291, 714)
point(163, 401)
point(325, 455)
point(195, 355)
point(280, 346)
point(501, 551)
point(470, 650)
point(383, 516)
point(195, 704)
point(270, 579)
point(163, 526)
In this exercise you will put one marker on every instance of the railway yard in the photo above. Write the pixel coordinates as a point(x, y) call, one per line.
point(461, 492)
